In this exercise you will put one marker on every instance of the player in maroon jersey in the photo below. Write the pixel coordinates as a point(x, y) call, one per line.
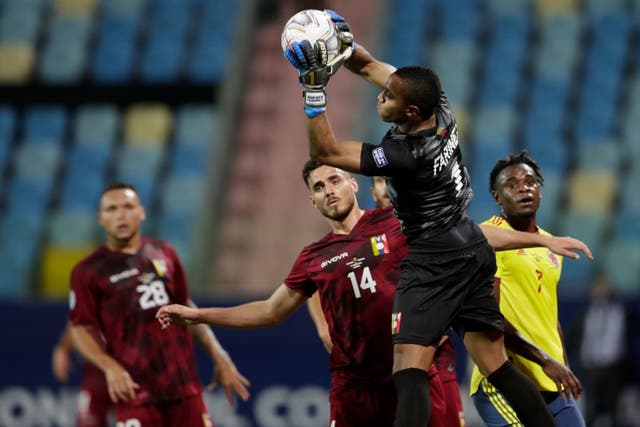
point(115, 291)
point(354, 269)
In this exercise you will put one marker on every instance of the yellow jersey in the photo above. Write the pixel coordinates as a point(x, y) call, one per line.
point(528, 299)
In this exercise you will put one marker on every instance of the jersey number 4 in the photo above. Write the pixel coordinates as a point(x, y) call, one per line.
point(366, 282)
point(153, 295)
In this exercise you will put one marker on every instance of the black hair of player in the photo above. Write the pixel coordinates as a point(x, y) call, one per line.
point(510, 160)
point(309, 167)
point(118, 185)
point(423, 88)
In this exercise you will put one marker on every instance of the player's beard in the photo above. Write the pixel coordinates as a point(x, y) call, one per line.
point(338, 214)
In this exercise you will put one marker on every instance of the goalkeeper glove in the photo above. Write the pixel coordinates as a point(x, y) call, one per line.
point(343, 31)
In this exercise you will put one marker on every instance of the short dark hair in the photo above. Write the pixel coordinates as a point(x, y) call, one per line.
point(309, 167)
point(423, 90)
point(512, 159)
point(118, 185)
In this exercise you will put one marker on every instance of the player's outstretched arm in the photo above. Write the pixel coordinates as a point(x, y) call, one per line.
point(255, 314)
point(315, 310)
point(504, 240)
point(225, 372)
point(120, 385)
point(369, 68)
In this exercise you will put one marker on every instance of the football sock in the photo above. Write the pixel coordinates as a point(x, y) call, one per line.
point(414, 403)
point(522, 395)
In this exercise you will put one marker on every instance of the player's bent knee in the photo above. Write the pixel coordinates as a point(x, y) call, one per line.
point(406, 356)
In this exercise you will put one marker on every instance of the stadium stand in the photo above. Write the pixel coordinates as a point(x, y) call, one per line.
point(559, 78)
point(125, 96)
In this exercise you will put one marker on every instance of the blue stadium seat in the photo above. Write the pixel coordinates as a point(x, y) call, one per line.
point(188, 160)
point(67, 227)
point(7, 123)
point(144, 160)
point(28, 196)
point(45, 122)
point(80, 192)
point(96, 124)
point(65, 52)
point(162, 60)
point(37, 160)
point(197, 125)
point(182, 194)
point(20, 20)
point(461, 22)
point(115, 51)
point(622, 265)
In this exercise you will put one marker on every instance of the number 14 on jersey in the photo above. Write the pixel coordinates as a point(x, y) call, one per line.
point(366, 282)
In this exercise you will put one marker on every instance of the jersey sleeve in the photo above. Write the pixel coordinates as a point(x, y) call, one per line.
point(299, 279)
point(82, 299)
point(390, 158)
point(179, 277)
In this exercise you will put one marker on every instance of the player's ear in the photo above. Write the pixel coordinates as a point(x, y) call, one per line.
point(412, 111)
point(494, 194)
point(143, 213)
point(354, 184)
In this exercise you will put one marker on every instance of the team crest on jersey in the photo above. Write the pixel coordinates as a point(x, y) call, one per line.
point(160, 265)
point(396, 318)
point(379, 244)
point(355, 263)
point(553, 259)
point(379, 157)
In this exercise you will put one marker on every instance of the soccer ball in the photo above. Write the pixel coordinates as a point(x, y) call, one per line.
point(312, 25)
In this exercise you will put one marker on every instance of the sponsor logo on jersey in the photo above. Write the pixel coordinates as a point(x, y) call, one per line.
point(553, 259)
point(355, 262)
point(123, 275)
point(379, 244)
point(147, 278)
point(334, 259)
point(379, 157)
point(396, 318)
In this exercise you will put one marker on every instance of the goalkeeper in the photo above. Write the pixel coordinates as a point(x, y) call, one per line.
point(448, 272)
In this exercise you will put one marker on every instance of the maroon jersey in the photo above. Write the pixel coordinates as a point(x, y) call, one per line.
point(356, 276)
point(119, 294)
point(445, 361)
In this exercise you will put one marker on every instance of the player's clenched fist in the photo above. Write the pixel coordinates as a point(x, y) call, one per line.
point(176, 313)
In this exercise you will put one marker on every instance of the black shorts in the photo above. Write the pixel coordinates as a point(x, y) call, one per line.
point(452, 288)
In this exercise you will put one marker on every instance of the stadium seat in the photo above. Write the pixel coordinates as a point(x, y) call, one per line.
point(114, 54)
point(197, 125)
point(37, 160)
point(57, 262)
point(592, 192)
point(65, 52)
point(162, 60)
point(45, 122)
point(148, 124)
point(17, 62)
point(143, 160)
point(96, 124)
point(28, 196)
point(75, 7)
point(20, 21)
point(7, 123)
point(622, 265)
point(72, 228)
point(182, 194)
point(189, 161)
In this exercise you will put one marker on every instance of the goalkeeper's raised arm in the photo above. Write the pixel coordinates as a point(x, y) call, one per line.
point(369, 68)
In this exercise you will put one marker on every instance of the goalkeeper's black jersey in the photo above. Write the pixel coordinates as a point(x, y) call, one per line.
point(427, 182)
